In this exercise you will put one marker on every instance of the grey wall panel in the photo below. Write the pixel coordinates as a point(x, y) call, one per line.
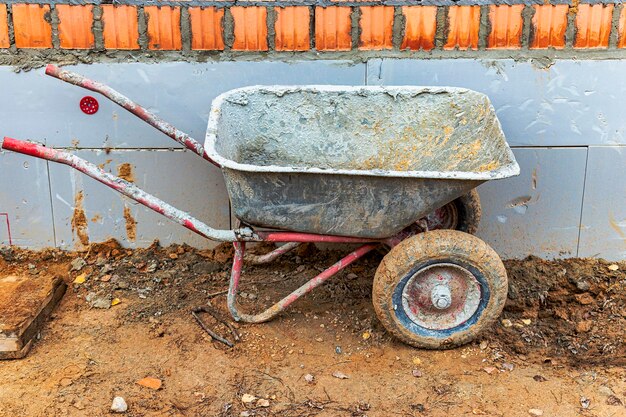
point(181, 178)
point(538, 212)
point(181, 93)
point(25, 198)
point(603, 232)
point(570, 103)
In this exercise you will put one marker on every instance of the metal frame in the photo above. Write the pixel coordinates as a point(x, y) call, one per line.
point(238, 236)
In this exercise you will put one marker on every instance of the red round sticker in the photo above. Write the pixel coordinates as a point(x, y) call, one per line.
point(89, 105)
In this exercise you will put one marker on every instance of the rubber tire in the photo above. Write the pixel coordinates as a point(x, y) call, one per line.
point(449, 246)
point(470, 211)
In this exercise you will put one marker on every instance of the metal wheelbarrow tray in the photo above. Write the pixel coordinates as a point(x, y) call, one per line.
point(385, 167)
point(352, 161)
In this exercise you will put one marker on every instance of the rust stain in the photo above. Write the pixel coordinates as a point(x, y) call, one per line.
point(534, 179)
point(131, 224)
point(105, 163)
point(79, 220)
point(616, 226)
point(96, 218)
point(125, 172)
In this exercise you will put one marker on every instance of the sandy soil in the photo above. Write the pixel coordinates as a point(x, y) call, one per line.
point(560, 347)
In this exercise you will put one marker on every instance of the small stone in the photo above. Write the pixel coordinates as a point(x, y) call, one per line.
point(150, 382)
point(319, 339)
point(507, 323)
point(245, 414)
point(366, 335)
point(613, 267)
point(416, 361)
point(535, 412)
point(585, 402)
point(584, 326)
point(309, 378)
point(416, 373)
point(489, 369)
point(248, 398)
point(262, 402)
point(78, 264)
point(605, 391)
point(583, 285)
point(105, 278)
point(613, 400)
point(539, 378)
point(152, 267)
point(352, 275)
point(340, 375)
point(96, 301)
point(526, 322)
point(484, 345)
point(508, 366)
point(584, 298)
point(338, 350)
point(119, 405)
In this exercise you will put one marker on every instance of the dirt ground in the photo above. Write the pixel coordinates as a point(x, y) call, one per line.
point(559, 350)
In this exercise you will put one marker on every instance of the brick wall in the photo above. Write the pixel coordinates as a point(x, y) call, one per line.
point(332, 26)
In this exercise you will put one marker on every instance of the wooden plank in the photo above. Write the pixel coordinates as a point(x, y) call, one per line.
point(25, 304)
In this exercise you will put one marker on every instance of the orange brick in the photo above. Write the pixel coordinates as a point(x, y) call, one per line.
point(206, 28)
point(292, 28)
point(593, 26)
point(333, 29)
point(163, 27)
point(549, 26)
point(621, 42)
point(506, 27)
point(420, 28)
point(250, 28)
point(75, 26)
point(31, 24)
point(120, 27)
point(4, 27)
point(463, 26)
point(376, 27)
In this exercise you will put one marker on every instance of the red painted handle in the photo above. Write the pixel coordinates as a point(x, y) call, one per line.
point(27, 148)
point(134, 108)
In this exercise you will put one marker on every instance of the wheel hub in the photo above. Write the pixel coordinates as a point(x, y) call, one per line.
point(446, 217)
point(441, 296)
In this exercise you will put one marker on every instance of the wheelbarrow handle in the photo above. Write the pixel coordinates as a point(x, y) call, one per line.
point(128, 189)
point(139, 111)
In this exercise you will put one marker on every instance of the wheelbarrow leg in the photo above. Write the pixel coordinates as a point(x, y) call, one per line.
point(274, 310)
point(269, 257)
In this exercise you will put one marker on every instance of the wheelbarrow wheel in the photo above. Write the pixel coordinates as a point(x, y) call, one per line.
point(462, 214)
point(439, 289)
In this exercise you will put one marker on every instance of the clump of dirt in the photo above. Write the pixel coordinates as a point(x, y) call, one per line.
point(571, 310)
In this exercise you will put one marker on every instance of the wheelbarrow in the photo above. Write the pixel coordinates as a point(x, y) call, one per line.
point(392, 167)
